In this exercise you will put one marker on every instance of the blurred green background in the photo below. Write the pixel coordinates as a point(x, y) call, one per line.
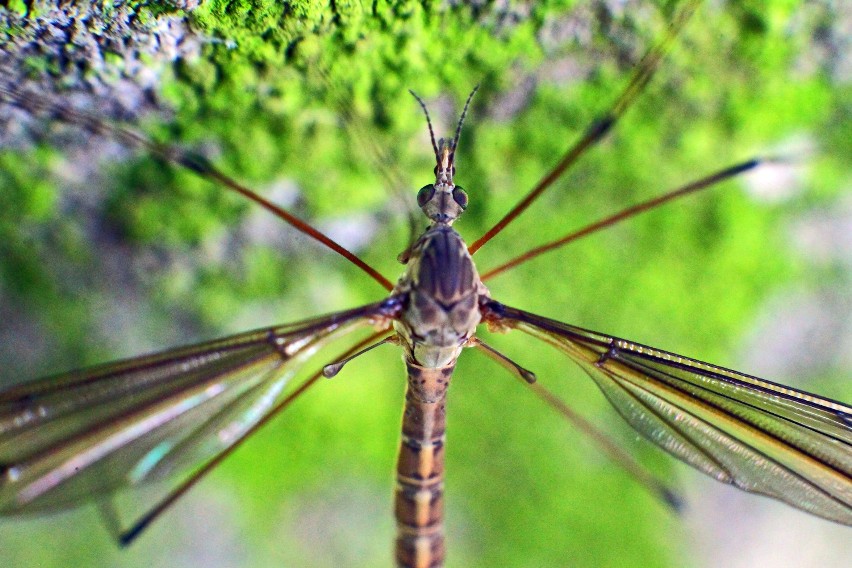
point(106, 252)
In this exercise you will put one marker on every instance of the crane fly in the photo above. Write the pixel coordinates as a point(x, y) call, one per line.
point(81, 435)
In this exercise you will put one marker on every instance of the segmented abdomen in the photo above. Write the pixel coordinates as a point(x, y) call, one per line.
point(419, 495)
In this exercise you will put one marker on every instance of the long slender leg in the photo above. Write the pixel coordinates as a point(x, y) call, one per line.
point(197, 163)
point(598, 437)
point(687, 189)
point(599, 127)
point(130, 534)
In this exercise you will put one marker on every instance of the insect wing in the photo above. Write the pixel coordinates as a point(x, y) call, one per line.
point(89, 432)
point(757, 435)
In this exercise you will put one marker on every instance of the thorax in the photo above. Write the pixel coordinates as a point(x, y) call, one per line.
point(442, 289)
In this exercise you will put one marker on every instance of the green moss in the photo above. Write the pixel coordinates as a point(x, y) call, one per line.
point(18, 6)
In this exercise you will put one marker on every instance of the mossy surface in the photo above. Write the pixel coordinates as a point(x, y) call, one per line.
point(107, 252)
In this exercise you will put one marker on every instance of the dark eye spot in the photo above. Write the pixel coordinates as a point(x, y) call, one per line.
point(460, 197)
point(425, 194)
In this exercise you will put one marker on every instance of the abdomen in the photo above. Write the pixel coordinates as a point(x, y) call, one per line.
point(419, 499)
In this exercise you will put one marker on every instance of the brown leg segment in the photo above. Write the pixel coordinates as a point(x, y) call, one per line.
point(419, 499)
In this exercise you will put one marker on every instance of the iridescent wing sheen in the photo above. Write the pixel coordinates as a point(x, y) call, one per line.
point(754, 434)
point(84, 434)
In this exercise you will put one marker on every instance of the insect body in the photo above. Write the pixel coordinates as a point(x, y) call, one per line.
point(442, 293)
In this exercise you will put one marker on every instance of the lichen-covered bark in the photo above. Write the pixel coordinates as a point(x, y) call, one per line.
point(106, 252)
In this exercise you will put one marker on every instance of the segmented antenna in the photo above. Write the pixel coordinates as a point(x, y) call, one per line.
point(458, 126)
point(463, 114)
point(428, 120)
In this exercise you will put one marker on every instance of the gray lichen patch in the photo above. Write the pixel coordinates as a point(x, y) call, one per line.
point(107, 59)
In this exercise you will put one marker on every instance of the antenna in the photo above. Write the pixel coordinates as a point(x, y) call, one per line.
point(461, 119)
point(428, 120)
point(458, 126)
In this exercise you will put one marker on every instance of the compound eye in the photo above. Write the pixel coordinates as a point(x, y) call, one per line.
point(460, 197)
point(425, 194)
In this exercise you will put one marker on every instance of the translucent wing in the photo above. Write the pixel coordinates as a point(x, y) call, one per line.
point(757, 435)
point(88, 432)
